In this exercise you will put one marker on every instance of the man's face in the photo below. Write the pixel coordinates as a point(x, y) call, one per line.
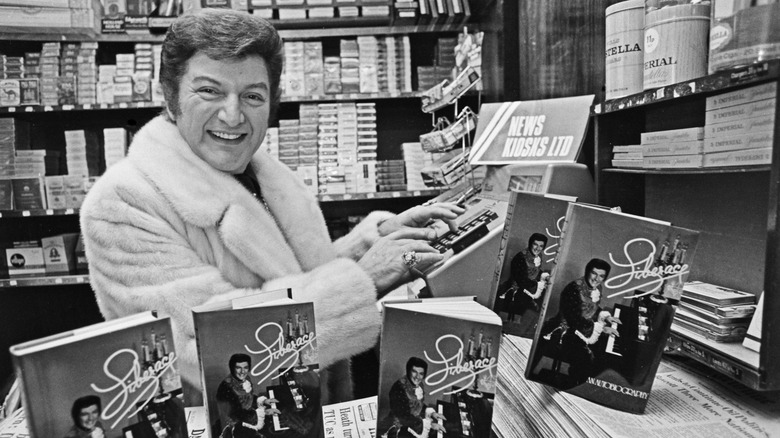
point(241, 370)
point(225, 106)
point(416, 375)
point(537, 246)
point(596, 277)
point(88, 417)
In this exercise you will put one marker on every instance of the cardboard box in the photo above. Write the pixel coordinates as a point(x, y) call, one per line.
point(743, 96)
point(752, 140)
point(740, 127)
point(673, 148)
point(750, 110)
point(672, 135)
point(746, 157)
point(673, 162)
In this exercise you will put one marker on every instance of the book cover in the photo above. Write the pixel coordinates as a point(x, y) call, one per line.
point(529, 244)
point(437, 368)
point(259, 367)
point(607, 317)
point(113, 379)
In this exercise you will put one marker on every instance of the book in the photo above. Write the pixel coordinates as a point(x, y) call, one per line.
point(353, 419)
point(533, 224)
point(606, 318)
point(437, 367)
point(257, 354)
point(719, 295)
point(117, 378)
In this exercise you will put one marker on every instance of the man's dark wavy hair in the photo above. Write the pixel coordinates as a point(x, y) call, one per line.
point(219, 34)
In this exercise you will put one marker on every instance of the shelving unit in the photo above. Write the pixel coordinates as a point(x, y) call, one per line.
point(32, 307)
point(735, 208)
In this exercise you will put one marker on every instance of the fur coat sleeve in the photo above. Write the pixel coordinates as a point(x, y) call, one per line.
point(165, 231)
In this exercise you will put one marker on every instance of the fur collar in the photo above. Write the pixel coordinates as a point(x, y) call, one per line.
point(293, 238)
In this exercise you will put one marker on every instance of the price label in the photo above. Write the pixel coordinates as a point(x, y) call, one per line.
point(122, 104)
point(416, 193)
point(67, 107)
point(12, 283)
point(87, 106)
point(370, 196)
point(396, 194)
point(347, 197)
point(49, 212)
point(28, 109)
point(11, 109)
point(79, 279)
point(26, 213)
point(69, 211)
point(47, 108)
point(58, 280)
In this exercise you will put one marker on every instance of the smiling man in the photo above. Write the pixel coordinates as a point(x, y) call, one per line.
point(198, 213)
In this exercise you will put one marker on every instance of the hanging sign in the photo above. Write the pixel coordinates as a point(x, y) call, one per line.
point(535, 131)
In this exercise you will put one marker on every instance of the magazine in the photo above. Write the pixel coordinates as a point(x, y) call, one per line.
point(113, 379)
point(608, 314)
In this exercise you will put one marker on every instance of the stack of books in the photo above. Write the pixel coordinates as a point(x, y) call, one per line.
point(717, 313)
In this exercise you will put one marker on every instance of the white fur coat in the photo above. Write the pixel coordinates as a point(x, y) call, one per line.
point(165, 231)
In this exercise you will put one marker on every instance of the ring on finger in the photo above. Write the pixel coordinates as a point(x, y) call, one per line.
point(410, 258)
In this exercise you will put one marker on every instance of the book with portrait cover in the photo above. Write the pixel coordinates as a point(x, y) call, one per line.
point(529, 244)
point(608, 313)
point(259, 366)
point(113, 379)
point(437, 368)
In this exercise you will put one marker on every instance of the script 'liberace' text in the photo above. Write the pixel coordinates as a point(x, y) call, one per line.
point(642, 270)
point(456, 366)
point(141, 384)
point(552, 249)
point(287, 352)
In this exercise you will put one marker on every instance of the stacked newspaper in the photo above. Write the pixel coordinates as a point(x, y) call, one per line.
point(525, 408)
point(684, 403)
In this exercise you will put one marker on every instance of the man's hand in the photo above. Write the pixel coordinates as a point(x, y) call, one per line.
point(421, 215)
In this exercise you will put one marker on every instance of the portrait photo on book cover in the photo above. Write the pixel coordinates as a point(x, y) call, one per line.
point(611, 306)
point(529, 246)
point(438, 380)
point(125, 385)
point(524, 281)
point(261, 373)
